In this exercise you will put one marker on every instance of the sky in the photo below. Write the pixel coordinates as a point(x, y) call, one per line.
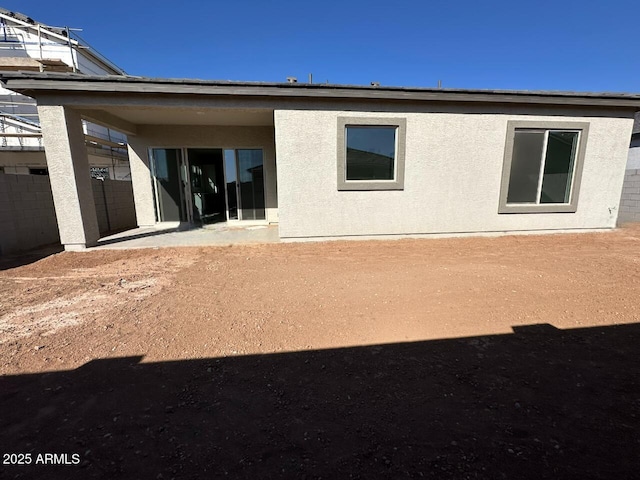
point(542, 45)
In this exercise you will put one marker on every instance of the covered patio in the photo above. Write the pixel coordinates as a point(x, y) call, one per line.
point(199, 160)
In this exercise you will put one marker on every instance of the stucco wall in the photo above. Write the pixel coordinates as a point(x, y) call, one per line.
point(452, 179)
point(157, 136)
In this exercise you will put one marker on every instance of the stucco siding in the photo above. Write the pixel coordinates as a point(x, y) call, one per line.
point(453, 170)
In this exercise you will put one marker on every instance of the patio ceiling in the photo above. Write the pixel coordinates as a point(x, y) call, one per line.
point(172, 115)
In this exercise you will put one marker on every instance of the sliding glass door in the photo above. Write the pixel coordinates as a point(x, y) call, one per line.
point(208, 185)
point(232, 183)
point(251, 185)
point(206, 173)
point(167, 184)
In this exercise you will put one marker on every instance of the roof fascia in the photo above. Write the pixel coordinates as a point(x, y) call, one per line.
point(39, 87)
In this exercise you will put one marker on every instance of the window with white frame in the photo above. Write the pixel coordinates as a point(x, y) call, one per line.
point(542, 167)
point(371, 153)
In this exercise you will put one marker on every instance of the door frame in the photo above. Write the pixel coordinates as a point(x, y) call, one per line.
point(184, 168)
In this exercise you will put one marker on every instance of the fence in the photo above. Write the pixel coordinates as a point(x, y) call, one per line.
point(27, 215)
point(114, 204)
point(630, 200)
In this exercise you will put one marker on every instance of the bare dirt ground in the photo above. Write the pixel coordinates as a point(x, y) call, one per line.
point(511, 357)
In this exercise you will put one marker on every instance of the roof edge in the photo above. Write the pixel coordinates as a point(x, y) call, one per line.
point(35, 82)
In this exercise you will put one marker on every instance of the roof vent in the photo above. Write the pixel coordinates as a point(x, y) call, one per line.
point(292, 80)
point(375, 84)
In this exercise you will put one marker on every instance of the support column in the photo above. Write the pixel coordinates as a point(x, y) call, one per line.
point(143, 195)
point(68, 165)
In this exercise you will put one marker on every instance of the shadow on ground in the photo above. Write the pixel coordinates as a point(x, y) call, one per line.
point(31, 256)
point(134, 236)
point(538, 403)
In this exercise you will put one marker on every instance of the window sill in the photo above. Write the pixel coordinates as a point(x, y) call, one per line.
point(546, 208)
point(357, 185)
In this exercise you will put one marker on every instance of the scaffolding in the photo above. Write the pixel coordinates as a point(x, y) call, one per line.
point(28, 45)
point(23, 38)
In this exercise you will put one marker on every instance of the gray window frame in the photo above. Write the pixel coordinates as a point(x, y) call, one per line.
point(400, 124)
point(570, 207)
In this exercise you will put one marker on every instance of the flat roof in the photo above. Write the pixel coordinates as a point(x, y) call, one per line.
point(41, 83)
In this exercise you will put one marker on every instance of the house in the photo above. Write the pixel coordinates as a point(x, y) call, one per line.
point(27, 45)
point(338, 161)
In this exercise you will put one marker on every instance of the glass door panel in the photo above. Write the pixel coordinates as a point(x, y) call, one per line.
point(206, 173)
point(232, 183)
point(251, 184)
point(165, 166)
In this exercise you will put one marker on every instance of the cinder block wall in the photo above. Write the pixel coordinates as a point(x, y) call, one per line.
point(114, 204)
point(630, 200)
point(28, 218)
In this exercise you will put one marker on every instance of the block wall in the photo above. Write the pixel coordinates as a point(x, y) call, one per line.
point(630, 199)
point(114, 204)
point(28, 218)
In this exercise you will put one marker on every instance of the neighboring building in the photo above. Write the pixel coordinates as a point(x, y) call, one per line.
point(630, 201)
point(26, 45)
point(335, 161)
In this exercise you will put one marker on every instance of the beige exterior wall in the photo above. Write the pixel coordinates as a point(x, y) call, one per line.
point(453, 170)
point(69, 176)
point(141, 181)
point(156, 136)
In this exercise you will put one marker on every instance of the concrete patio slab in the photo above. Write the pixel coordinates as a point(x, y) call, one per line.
point(172, 235)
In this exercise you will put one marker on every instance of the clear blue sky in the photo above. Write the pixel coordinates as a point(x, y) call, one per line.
point(543, 45)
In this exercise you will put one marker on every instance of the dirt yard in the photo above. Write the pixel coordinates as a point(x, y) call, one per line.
point(510, 357)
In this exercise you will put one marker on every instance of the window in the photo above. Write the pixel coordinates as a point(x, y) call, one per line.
point(38, 171)
point(542, 167)
point(371, 153)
